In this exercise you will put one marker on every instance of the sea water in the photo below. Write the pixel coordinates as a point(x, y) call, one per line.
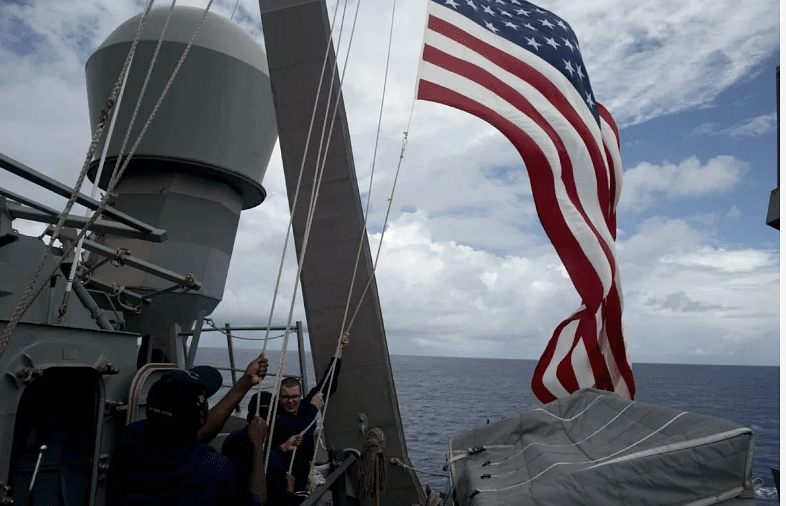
point(440, 396)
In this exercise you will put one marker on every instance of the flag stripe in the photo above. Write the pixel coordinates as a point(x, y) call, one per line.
point(525, 71)
point(592, 237)
point(570, 147)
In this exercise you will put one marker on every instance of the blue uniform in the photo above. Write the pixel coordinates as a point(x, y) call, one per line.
point(238, 448)
point(288, 425)
point(188, 475)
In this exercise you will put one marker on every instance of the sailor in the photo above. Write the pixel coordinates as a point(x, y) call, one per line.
point(164, 460)
point(293, 433)
point(239, 449)
point(220, 413)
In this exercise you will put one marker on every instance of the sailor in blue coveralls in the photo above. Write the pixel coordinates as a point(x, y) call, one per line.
point(296, 414)
point(161, 461)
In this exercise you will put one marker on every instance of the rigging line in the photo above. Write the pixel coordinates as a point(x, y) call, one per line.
point(233, 10)
point(150, 67)
point(30, 295)
point(116, 177)
point(331, 372)
point(314, 196)
point(105, 201)
point(99, 173)
point(299, 179)
point(371, 179)
point(271, 421)
point(387, 218)
point(315, 193)
point(399, 462)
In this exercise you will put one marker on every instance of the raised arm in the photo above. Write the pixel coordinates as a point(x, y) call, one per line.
point(219, 414)
point(322, 386)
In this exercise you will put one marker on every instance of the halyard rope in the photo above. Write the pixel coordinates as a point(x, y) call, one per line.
point(99, 172)
point(272, 413)
point(315, 192)
point(30, 294)
point(331, 372)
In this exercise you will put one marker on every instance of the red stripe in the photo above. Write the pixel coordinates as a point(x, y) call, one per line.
point(547, 88)
point(613, 318)
point(580, 269)
point(582, 274)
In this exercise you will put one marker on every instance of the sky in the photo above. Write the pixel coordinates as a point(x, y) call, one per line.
point(465, 268)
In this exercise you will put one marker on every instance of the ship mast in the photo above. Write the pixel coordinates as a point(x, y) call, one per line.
point(297, 38)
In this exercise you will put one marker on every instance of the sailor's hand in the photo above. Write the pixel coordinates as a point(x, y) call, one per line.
point(292, 443)
point(257, 431)
point(318, 400)
point(257, 369)
point(290, 483)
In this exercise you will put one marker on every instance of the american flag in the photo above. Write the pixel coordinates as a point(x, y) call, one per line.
point(519, 68)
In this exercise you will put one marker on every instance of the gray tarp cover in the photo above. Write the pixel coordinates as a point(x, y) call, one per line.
point(595, 448)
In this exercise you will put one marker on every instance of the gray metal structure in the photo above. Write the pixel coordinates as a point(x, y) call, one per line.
point(200, 163)
point(68, 384)
point(297, 38)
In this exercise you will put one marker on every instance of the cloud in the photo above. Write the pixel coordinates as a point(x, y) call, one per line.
point(465, 267)
point(646, 182)
point(650, 59)
point(759, 125)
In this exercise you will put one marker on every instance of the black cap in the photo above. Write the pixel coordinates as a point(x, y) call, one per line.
point(182, 393)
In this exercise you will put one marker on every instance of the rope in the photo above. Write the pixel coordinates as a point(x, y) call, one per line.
point(99, 172)
point(31, 292)
point(271, 418)
point(371, 469)
point(397, 461)
point(309, 220)
point(142, 91)
point(371, 179)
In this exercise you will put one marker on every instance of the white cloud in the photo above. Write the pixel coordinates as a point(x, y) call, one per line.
point(753, 127)
point(646, 182)
point(649, 59)
point(756, 126)
point(465, 267)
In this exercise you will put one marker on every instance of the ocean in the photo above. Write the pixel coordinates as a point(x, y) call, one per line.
point(442, 396)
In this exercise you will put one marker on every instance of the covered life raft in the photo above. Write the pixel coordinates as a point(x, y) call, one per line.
point(594, 448)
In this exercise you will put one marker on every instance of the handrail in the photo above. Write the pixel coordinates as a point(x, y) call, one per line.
point(332, 481)
point(44, 181)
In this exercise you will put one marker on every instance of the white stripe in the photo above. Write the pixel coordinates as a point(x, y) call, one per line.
point(673, 447)
point(579, 359)
point(611, 142)
point(586, 185)
point(561, 350)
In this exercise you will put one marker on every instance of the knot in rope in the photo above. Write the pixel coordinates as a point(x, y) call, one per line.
point(119, 259)
point(315, 480)
point(434, 499)
point(371, 471)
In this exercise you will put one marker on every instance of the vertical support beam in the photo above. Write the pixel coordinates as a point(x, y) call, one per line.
point(231, 350)
point(302, 356)
point(297, 37)
point(195, 339)
point(176, 346)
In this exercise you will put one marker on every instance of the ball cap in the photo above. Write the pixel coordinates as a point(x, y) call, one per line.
point(177, 390)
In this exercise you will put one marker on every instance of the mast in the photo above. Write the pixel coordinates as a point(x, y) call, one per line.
point(297, 37)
